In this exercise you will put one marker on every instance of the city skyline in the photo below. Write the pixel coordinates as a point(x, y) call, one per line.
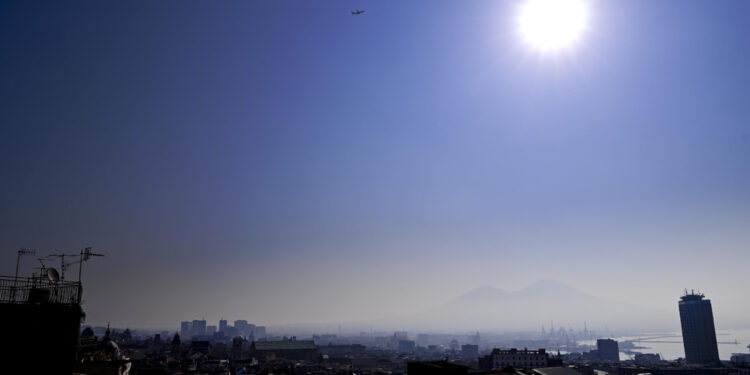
point(292, 163)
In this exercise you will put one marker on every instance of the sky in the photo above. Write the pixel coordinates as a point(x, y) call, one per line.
point(286, 162)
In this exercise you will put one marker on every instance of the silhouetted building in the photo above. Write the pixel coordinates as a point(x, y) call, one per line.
point(222, 325)
point(237, 348)
point(242, 327)
point(198, 329)
point(260, 333)
point(647, 359)
point(698, 331)
point(342, 350)
point(200, 346)
point(41, 324)
point(435, 368)
point(524, 359)
point(288, 349)
point(470, 351)
point(608, 350)
point(185, 328)
point(406, 346)
point(176, 345)
point(400, 335)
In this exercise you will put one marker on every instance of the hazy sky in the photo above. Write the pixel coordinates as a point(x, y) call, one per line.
point(287, 162)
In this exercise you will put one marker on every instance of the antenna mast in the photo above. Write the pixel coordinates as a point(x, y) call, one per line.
point(85, 255)
point(21, 252)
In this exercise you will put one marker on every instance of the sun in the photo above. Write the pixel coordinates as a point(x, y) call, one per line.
point(551, 25)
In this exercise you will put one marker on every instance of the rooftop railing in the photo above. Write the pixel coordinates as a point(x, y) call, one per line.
point(37, 290)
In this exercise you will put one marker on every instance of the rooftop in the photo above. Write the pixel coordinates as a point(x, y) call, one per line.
point(692, 296)
point(38, 290)
point(285, 345)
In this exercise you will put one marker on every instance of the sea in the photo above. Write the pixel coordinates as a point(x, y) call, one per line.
point(669, 345)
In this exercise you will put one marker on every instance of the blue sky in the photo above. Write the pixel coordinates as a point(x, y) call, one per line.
point(268, 160)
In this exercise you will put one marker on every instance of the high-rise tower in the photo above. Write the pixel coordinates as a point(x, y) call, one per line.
point(698, 332)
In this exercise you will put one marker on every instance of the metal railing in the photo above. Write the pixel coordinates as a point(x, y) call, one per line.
point(36, 290)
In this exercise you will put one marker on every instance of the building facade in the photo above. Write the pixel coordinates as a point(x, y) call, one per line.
point(185, 328)
point(198, 328)
point(698, 331)
point(608, 350)
point(222, 325)
point(470, 351)
point(522, 359)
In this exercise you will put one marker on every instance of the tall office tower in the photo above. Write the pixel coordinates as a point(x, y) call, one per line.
point(698, 332)
point(185, 328)
point(608, 350)
point(222, 325)
point(199, 329)
point(241, 326)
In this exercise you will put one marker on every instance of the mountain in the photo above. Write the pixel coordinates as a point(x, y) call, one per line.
point(489, 308)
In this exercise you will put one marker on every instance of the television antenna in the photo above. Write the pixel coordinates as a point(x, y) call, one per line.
point(22, 252)
point(63, 266)
point(85, 255)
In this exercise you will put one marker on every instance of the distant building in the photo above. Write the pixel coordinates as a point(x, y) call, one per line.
point(260, 333)
point(741, 359)
point(406, 346)
point(176, 346)
point(608, 350)
point(342, 350)
point(250, 331)
point(557, 371)
point(200, 346)
point(646, 359)
point(231, 332)
point(237, 348)
point(324, 339)
point(522, 359)
point(400, 335)
point(470, 351)
point(698, 331)
point(198, 328)
point(435, 368)
point(222, 325)
point(185, 328)
point(287, 349)
point(242, 327)
point(210, 330)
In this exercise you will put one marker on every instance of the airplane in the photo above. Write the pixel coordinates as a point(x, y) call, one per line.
point(357, 12)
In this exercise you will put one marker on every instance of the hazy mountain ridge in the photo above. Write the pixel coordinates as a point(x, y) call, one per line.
point(490, 308)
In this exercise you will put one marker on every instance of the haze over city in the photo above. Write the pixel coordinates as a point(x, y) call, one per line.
point(290, 163)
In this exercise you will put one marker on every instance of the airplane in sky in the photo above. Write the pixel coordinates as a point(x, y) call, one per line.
point(357, 12)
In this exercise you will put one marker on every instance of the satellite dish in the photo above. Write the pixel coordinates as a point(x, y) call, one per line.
point(52, 275)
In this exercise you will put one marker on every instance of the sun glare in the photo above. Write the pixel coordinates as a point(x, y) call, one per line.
point(550, 25)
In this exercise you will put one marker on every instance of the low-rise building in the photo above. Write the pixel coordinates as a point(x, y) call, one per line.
point(470, 351)
point(516, 358)
point(435, 368)
point(304, 350)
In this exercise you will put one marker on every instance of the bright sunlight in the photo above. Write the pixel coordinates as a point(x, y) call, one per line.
point(551, 25)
